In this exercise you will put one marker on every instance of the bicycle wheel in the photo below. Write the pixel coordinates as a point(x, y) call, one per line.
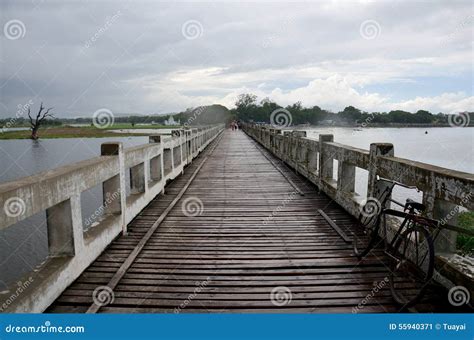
point(369, 222)
point(412, 264)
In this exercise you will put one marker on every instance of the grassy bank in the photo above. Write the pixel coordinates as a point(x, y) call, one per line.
point(81, 131)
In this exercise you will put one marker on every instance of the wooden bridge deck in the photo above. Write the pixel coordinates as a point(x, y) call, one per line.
point(254, 234)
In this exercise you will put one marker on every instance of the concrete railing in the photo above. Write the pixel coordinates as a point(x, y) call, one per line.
point(58, 192)
point(443, 190)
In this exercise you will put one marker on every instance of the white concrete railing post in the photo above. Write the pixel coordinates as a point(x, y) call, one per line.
point(114, 193)
point(137, 179)
point(167, 159)
point(180, 134)
point(157, 171)
point(296, 149)
point(376, 150)
point(346, 177)
point(325, 160)
point(188, 139)
point(446, 240)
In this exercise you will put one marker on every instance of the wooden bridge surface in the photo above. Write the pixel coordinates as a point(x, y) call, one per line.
point(255, 234)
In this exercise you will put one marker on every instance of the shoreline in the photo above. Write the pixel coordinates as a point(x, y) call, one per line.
point(372, 126)
point(81, 132)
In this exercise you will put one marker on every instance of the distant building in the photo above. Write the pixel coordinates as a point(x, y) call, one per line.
point(171, 121)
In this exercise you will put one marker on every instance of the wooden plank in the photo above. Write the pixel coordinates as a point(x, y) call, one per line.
point(335, 227)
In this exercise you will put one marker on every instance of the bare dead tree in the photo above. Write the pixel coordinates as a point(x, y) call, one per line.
point(38, 120)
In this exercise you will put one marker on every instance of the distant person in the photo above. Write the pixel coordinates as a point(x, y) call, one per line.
point(234, 126)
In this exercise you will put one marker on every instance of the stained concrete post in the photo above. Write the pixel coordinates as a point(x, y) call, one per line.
point(447, 213)
point(146, 173)
point(313, 161)
point(273, 140)
point(156, 163)
point(286, 145)
point(167, 160)
point(182, 141)
point(346, 177)
point(193, 141)
point(298, 154)
point(114, 194)
point(137, 179)
point(376, 150)
point(189, 143)
point(65, 230)
point(325, 160)
point(184, 146)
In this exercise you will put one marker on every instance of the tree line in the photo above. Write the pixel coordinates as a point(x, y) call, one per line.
point(248, 109)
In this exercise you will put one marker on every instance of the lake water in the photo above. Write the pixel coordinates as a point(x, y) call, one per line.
point(24, 246)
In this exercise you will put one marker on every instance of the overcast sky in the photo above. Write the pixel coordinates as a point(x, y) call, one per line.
point(156, 57)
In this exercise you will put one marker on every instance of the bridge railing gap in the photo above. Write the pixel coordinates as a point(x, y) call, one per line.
point(444, 190)
point(58, 192)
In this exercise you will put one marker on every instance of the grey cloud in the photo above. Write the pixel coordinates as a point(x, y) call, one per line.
point(80, 56)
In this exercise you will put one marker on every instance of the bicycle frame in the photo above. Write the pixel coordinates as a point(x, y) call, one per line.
point(408, 215)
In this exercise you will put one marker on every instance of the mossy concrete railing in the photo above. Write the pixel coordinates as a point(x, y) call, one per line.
point(58, 192)
point(444, 190)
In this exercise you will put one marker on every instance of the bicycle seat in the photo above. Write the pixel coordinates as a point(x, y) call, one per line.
point(411, 204)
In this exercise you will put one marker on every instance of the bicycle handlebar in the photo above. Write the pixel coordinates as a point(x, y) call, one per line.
point(397, 202)
point(398, 183)
point(413, 217)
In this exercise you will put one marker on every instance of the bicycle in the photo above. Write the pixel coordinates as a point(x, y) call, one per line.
point(410, 250)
